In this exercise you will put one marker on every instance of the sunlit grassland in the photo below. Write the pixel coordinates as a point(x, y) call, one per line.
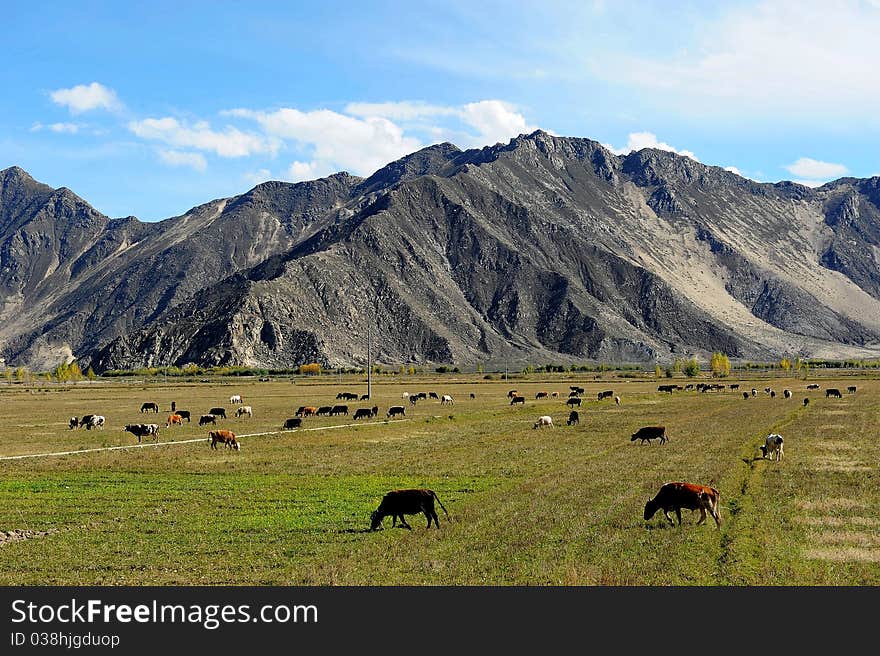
point(555, 506)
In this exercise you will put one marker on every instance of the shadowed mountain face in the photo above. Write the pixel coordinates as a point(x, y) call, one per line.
point(545, 249)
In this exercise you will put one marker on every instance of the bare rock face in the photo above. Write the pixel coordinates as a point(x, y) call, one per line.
point(545, 249)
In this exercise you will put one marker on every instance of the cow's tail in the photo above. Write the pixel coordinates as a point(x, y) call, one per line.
point(434, 494)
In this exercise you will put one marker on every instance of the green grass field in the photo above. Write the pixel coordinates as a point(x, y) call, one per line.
point(557, 506)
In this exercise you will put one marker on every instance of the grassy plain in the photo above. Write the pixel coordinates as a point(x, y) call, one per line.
point(556, 506)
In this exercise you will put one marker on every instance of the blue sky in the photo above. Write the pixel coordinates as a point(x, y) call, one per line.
point(150, 108)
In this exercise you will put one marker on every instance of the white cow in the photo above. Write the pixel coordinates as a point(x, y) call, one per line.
point(95, 421)
point(546, 420)
point(244, 410)
point(617, 400)
point(235, 398)
point(772, 447)
point(786, 393)
point(446, 400)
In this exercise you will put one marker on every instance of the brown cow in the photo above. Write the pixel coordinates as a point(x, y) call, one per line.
point(174, 420)
point(226, 436)
point(398, 503)
point(675, 496)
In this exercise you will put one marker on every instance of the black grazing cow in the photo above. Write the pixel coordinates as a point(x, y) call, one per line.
point(473, 396)
point(374, 411)
point(422, 395)
point(851, 389)
point(218, 412)
point(607, 394)
point(573, 395)
point(833, 391)
point(324, 410)
point(413, 399)
point(573, 402)
point(734, 386)
point(648, 433)
point(207, 419)
point(813, 386)
point(433, 395)
point(173, 406)
point(518, 400)
point(573, 418)
point(365, 397)
point(675, 496)
point(666, 388)
point(746, 395)
point(143, 430)
point(339, 410)
point(184, 414)
point(362, 413)
point(806, 402)
point(147, 407)
point(395, 410)
point(398, 503)
point(73, 423)
point(293, 422)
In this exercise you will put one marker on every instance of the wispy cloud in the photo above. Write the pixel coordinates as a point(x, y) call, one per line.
point(60, 128)
point(179, 158)
point(86, 97)
point(230, 142)
point(813, 169)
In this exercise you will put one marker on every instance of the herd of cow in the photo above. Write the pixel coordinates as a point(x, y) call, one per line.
point(673, 496)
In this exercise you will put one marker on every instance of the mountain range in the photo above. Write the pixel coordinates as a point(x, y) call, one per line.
point(544, 249)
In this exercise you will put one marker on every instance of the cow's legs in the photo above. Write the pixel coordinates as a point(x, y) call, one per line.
point(404, 524)
point(678, 514)
point(671, 521)
point(702, 516)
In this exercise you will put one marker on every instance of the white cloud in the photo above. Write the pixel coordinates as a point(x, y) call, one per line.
point(476, 124)
point(639, 140)
point(793, 57)
point(358, 145)
point(813, 169)
point(85, 97)
point(258, 176)
point(60, 128)
point(231, 142)
point(178, 158)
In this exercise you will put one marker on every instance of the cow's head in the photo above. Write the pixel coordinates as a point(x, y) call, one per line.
point(376, 520)
point(650, 509)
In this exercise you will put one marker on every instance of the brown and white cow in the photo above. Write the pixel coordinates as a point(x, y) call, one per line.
point(675, 496)
point(227, 437)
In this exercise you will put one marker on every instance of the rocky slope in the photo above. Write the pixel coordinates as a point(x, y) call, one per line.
point(545, 249)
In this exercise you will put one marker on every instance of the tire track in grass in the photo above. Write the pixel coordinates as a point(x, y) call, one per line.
point(198, 439)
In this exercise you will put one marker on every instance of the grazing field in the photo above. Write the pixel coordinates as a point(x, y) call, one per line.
point(559, 505)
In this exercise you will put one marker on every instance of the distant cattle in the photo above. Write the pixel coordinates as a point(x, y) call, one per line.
point(398, 503)
point(227, 437)
point(207, 419)
point(573, 402)
point(374, 411)
point(675, 496)
point(143, 430)
point(518, 400)
point(365, 397)
point(813, 386)
point(413, 399)
point(339, 410)
point(806, 402)
point(293, 422)
point(772, 447)
point(617, 400)
point(767, 390)
point(574, 395)
point(235, 398)
point(545, 420)
point(447, 400)
point(512, 393)
point(405, 395)
point(554, 395)
point(851, 389)
point(173, 406)
point(433, 395)
point(607, 394)
point(786, 393)
point(772, 394)
point(311, 411)
point(347, 396)
point(833, 391)
point(362, 413)
point(185, 414)
point(92, 421)
point(324, 410)
point(541, 395)
point(395, 410)
point(734, 386)
point(73, 423)
point(218, 412)
point(473, 396)
point(754, 392)
point(573, 418)
point(150, 407)
point(244, 410)
point(648, 433)
point(746, 395)
point(174, 420)
point(666, 388)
